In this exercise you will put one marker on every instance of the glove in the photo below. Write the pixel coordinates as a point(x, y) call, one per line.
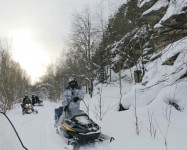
point(76, 99)
point(65, 108)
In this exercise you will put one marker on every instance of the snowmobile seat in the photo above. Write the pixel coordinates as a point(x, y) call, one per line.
point(58, 112)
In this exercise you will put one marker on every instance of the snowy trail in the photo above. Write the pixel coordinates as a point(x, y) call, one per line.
point(38, 133)
point(37, 130)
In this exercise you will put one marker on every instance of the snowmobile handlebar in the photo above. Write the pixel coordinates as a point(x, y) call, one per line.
point(72, 100)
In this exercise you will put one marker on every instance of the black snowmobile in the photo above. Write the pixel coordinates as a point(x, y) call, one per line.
point(38, 103)
point(80, 129)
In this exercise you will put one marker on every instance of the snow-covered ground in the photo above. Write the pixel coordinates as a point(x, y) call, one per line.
point(37, 131)
point(163, 121)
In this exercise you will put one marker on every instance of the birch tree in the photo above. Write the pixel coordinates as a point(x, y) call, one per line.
point(83, 43)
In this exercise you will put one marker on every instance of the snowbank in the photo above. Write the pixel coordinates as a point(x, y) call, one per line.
point(156, 118)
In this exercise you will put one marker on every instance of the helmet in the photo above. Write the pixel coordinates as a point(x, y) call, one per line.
point(71, 79)
point(73, 82)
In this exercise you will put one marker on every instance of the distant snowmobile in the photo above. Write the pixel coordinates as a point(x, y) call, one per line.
point(28, 109)
point(36, 101)
point(39, 103)
point(80, 129)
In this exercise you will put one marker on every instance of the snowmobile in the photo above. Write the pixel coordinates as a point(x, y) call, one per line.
point(28, 109)
point(80, 129)
point(39, 103)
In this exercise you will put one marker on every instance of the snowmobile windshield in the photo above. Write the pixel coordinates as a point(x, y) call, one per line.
point(81, 118)
point(9, 139)
point(78, 113)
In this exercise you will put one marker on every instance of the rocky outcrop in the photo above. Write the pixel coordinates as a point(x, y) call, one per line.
point(148, 5)
point(138, 76)
point(163, 36)
point(175, 105)
point(171, 29)
point(183, 76)
point(154, 16)
point(150, 35)
point(171, 60)
point(178, 21)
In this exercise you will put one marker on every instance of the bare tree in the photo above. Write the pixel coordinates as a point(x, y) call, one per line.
point(121, 108)
point(99, 109)
point(164, 135)
point(119, 79)
point(136, 117)
point(13, 80)
point(83, 45)
point(152, 129)
point(53, 82)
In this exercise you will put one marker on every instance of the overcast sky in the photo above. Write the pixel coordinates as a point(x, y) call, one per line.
point(38, 29)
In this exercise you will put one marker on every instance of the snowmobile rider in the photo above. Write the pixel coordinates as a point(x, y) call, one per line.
point(37, 99)
point(71, 99)
point(25, 101)
point(33, 100)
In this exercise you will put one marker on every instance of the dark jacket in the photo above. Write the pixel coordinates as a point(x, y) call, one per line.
point(26, 100)
point(37, 99)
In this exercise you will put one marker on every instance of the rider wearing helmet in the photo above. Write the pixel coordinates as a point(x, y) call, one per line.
point(33, 100)
point(71, 99)
point(25, 101)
